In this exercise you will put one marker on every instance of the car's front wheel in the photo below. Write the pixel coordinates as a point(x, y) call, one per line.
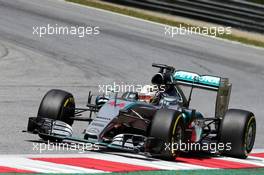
point(168, 126)
point(58, 105)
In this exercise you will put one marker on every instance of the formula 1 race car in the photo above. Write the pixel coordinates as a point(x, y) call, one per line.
point(163, 127)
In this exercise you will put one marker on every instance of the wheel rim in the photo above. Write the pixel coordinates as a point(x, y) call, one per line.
point(67, 110)
point(177, 137)
point(250, 135)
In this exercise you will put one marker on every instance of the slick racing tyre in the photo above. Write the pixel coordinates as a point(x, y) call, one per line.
point(238, 129)
point(167, 126)
point(57, 105)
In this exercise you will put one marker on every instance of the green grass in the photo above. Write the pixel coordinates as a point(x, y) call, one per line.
point(143, 15)
point(258, 171)
point(197, 172)
point(254, 1)
point(257, 1)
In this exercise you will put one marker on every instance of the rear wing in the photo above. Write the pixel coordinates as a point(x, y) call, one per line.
point(196, 80)
point(208, 82)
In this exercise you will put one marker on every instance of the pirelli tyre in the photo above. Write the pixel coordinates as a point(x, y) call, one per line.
point(168, 127)
point(238, 129)
point(58, 105)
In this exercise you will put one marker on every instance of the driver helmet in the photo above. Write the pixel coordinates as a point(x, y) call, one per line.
point(147, 93)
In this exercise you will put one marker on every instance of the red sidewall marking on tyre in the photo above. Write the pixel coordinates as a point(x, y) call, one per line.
point(97, 164)
point(216, 163)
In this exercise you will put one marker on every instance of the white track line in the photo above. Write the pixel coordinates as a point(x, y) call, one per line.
point(259, 159)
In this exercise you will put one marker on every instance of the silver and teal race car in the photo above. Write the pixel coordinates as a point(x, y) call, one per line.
point(164, 127)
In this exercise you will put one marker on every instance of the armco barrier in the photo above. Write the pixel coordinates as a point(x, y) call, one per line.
point(238, 14)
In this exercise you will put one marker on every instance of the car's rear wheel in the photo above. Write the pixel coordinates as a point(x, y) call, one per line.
point(58, 105)
point(238, 129)
point(168, 126)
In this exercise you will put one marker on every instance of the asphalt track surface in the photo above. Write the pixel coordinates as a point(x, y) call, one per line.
point(122, 52)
